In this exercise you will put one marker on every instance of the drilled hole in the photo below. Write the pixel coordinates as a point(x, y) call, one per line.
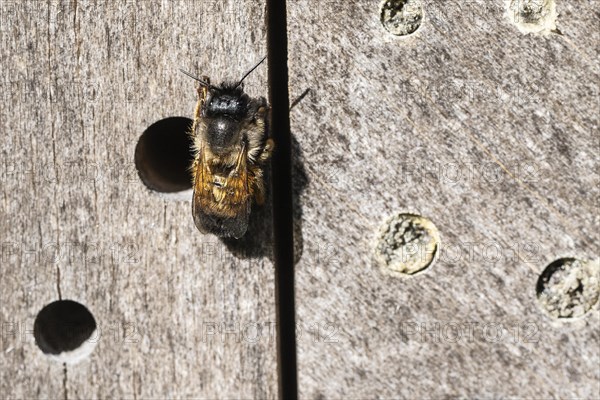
point(65, 331)
point(533, 16)
point(163, 155)
point(407, 244)
point(401, 17)
point(569, 287)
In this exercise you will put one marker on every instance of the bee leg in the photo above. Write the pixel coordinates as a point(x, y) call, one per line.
point(262, 110)
point(267, 150)
point(202, 93)
point(259, 194)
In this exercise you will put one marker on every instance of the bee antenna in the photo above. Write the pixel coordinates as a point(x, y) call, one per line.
point(251, 69)
point(203, 83)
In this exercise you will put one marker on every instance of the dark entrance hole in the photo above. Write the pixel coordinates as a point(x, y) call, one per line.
point(163, 155)
point(65, 326)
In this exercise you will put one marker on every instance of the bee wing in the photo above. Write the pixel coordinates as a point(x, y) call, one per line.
point(221, 204)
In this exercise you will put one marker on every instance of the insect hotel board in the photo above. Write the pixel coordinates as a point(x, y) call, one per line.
point(445, 202)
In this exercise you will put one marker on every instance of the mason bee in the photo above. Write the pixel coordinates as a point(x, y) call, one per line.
point(231, 147)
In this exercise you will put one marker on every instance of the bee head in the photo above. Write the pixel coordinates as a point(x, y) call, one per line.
point(227, 101)
point(229, 98)
point(224, 108)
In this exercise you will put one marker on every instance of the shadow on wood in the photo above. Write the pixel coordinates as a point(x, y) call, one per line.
point(258, 240)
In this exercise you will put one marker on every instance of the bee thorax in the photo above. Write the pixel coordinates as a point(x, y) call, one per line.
point(222, 135)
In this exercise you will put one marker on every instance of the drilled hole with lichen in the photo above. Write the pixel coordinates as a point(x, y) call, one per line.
point(533, 16)
point(569, 287)
point(406, 244)
point(401, 17)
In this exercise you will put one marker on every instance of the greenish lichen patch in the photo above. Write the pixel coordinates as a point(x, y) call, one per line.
point(401, 17)
point(533, 16)
point(569, 287)
point(406, 244)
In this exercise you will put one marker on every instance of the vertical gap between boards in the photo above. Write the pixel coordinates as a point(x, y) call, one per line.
point(281, 180)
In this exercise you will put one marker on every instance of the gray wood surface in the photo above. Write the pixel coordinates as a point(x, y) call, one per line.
point(490, 133)
point(81, 81)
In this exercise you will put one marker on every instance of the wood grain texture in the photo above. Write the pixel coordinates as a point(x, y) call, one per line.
point(491, 134)
point(81, 81)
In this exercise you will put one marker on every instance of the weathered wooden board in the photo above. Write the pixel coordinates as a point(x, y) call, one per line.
point(81, 81)
point(490, 133)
